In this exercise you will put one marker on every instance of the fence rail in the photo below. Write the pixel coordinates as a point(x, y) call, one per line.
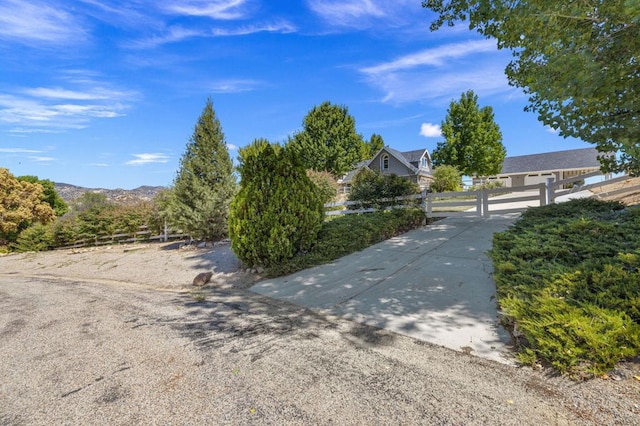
point(142, 235)
point(484, 203)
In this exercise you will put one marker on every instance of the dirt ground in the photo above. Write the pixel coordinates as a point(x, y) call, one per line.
point(118, 335)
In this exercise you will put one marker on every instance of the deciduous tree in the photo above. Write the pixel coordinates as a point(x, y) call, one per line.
point(579, 62)
point(473, 141)
point(329, 140)
point(21, 205)
point(205, 183)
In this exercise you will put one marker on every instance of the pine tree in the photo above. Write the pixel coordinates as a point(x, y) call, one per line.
point(205, 183)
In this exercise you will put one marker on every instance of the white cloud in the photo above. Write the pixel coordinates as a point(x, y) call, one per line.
point(38, 22)
point(232, 147)
point(41, 159)
point(172, 35)
point(19, 151)
point(282, 27)
point(429, 130)
point(53, 109)
point(216, 9)
point(434, 57)
point(360, 14)
point(551, 130)
point(234, 86)
point(146, 158)
point(442, 73)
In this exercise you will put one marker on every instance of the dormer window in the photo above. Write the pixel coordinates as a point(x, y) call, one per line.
point(384, 162)
point(423, 162)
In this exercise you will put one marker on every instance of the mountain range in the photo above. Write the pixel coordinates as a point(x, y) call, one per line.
point(120, 196)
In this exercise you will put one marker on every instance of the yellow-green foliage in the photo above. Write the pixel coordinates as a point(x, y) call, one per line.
point(568, 278)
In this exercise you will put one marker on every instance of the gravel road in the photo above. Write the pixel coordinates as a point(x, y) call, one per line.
point(95, 350)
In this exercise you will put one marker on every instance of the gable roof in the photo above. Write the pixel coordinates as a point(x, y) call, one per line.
point(414, 156)
point(348, 177)
point(397, 155)
point(584, 158)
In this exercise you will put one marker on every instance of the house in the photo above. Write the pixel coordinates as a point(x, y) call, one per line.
point(537, 168)
point(414, 165)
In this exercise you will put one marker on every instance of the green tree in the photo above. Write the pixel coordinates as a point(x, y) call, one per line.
point(370, 186)
point(21, 205)
point(577, 60)
point(205, 184)
point(375, 144)
point(446, 178)
point(473, 141)
point(51, 196)
point(329, 140)
point(278, 211)
point(326, 184)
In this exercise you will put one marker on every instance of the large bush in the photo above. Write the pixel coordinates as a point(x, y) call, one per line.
point(446, 178)
point(371, 187)
point(278, 211)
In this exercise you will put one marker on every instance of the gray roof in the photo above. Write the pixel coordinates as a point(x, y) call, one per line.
point(348, 177)
point(584, 158)
point(414, 156)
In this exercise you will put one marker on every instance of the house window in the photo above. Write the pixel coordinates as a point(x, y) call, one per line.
point(384, 162)
point(423, 163)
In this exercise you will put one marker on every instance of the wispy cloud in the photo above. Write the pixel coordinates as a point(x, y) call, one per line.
point(441, 73)
point(360, 14)
point(54, 109)
point(216, 9)
point(147, 158)
point(430, 130)
point(171, 35)
point(19, 151)
point(283, 27)
point(234, 86)
point(39, 159)
point(38, 22)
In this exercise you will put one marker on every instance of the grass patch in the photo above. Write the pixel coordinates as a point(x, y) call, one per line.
point(347, 234)
point(568, 281)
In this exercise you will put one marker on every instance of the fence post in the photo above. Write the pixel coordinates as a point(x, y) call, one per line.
point(423, 200)
point(550, 191)
point(166, 232)
point(485, 203)
point(478, 204)
point(544, 193)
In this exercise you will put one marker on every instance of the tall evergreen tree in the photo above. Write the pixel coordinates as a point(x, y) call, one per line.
point(473, 141)
point(278, 211)
point(329, 141)
point(205, 183)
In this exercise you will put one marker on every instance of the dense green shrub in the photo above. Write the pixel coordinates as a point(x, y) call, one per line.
point(278, 211)
point(568, 277)
point(38, 237)
point(446, 179)
point(350, 233)
point(370, 187)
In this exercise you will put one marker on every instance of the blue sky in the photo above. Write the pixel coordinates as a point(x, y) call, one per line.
point(103, 93)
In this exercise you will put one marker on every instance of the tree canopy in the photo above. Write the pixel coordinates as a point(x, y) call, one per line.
point(578, 61)
point(21, 205)
point(205, 184)
point(473, 141)
point(329, 140)
point(51, 196)
point(375, 144)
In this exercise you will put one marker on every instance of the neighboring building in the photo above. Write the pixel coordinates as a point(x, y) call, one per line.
point(414, 165)
point(537, 168)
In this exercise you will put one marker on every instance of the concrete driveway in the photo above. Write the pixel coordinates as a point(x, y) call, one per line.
point(433, 284)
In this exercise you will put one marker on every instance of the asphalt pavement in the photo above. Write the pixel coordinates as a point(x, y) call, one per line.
point(434, 284)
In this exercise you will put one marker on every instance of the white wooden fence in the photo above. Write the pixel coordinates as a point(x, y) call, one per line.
point(484, 203)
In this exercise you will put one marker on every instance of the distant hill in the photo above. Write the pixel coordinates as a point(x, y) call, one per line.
point(120, 196)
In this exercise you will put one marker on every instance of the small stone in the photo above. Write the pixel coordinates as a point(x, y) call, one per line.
point(202, 278)
point(202, 245)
